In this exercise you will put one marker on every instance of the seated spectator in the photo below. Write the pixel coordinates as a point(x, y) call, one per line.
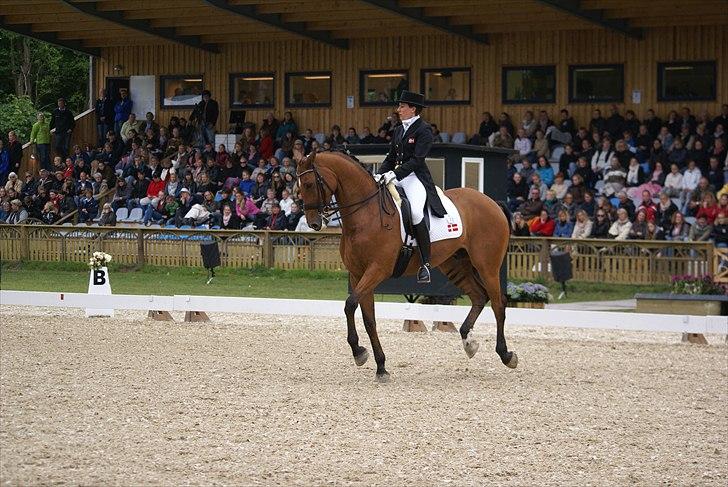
point(543, 226)
point(366, 137)
point(720, 231)
point(635, 174)
point(522, 144)
point(277, 219)
point(601, 226)
point(532, 207)
point(582, 226)
point(537, 183)
point(108, 217)
point(678, 229)
point(287, 167)
point(627, 204)
point(286, 202)
point(708, 207)
point(673, 182)
point(520, 226)
point(49, 215)
point(600, 159)
point(654, 183)
point(648, 206)
point(503, 139)
point(265, 144)
point(623, 153)
point(560, 186)
point(488, 127)
point(564, 227)
point(665, 210)
point(287, 126)
point(567, 161)
point(4, 211)
point(67, 204)
point(541, 145)
point(639, 227)
point(690, 181)
point(577, 189)
point(130, 128)
point(517, 191)
point(584, 170)
point(545, 170)
point(551, 204)
point(335, 138)
point(245, 208)
point(18, 214)
point(665, 138)
point(588, 205)
point(701, 231)
point(16, 184)
point(526, 169)
point(352, 137)
point(715, 174)
point(654, 232)
point(230, 221)
point(614, 178)
point(88, 207)
point(621, 227)
point(186, 202)
point(294, 217)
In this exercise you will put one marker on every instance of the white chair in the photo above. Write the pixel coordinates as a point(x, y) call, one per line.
point(320, 137)
point(459, 138)
point(445, 137)
point(122, 214)
point(556, 153)
point(136, 215)
point(599, 186)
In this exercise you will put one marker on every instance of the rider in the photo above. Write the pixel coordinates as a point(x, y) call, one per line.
point(405, 164)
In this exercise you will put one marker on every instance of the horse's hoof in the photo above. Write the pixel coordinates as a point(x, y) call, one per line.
point(513, 362)
point(471, 347)
point(383, 377)
point(362, 358)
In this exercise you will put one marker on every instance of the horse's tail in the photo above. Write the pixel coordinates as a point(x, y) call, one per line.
point(508, 215)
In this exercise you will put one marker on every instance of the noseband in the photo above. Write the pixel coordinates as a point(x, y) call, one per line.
point(326, 210)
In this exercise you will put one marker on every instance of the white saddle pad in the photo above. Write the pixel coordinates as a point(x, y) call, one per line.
point(440, 228)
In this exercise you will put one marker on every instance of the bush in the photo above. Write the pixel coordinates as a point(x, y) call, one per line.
point(17, 113)
point(697, 285)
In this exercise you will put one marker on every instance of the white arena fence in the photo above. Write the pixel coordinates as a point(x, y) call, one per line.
point(413, 311)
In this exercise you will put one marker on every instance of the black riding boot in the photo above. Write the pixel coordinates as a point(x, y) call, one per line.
point(422, 235)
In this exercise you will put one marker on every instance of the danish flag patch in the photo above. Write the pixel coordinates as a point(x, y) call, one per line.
point(411, 140)
point(452, 227)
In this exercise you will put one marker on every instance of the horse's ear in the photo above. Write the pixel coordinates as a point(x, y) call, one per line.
point(310, 158)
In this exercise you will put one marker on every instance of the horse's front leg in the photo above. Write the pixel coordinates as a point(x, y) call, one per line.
point(360, 353)
point(363, 292)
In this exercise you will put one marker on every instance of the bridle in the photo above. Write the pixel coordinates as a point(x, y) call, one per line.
point(327, 210)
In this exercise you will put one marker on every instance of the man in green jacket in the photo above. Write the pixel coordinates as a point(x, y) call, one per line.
point(40, 135)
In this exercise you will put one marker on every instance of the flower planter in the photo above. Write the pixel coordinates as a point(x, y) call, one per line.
point(526, 305)
point(684, 304)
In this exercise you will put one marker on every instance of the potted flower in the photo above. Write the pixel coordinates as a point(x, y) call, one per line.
point(527, 295)
point(690, 295)
point(99, 260)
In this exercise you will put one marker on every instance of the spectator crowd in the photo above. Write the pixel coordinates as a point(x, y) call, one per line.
point(615, 177)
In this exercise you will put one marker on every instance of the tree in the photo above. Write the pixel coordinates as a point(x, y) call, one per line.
point(33, 75)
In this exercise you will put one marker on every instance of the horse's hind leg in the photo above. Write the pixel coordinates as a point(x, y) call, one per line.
point(459, 270)
point(491, 282)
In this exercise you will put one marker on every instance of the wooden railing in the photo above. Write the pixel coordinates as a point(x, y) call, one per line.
point(629, 262)
point(83, 132)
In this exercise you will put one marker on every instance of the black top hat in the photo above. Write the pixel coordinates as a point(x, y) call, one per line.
point(412, 98)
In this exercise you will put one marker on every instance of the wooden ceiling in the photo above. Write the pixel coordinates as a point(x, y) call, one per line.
point(88, 25)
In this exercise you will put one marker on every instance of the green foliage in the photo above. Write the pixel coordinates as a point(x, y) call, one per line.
point(698, 285)
point(17, 113)
point(52, 72)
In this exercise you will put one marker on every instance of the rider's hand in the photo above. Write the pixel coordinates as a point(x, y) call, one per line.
point(377, 177)
point(389, 176)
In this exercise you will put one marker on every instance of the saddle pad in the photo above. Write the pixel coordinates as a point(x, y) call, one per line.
point(440, 228)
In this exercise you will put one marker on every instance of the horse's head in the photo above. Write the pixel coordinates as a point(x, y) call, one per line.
point(316, 185)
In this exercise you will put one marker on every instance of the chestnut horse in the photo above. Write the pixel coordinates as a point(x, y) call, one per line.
point(371, 240)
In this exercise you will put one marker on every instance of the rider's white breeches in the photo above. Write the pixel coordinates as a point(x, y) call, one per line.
point(416, 194)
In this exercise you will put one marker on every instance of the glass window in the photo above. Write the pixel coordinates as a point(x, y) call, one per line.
point(308, 89)
point(529, 84)
point(380, 88)
point(252, 90)
point(180, 90)
point(446, 86)
point(686, 81)
point(596, 83)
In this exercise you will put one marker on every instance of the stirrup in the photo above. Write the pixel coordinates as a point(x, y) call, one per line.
point(423, 274)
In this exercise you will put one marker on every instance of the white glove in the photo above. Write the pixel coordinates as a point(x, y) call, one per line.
point(389, 176)
point(377, 177)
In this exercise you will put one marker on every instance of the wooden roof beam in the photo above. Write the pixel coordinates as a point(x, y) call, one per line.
point(49, 37)
point(417, 14)
point(90, 8)
point(573, 7)
point(276, 20)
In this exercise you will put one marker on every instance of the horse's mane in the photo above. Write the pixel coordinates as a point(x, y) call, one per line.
point(350, 158)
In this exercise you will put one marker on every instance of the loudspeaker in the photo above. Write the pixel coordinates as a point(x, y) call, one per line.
point(561, 266)
point(210, 255)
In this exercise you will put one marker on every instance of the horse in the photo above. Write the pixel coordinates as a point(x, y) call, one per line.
point(371, 241)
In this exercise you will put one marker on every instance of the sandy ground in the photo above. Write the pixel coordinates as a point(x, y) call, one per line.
point(260, 400)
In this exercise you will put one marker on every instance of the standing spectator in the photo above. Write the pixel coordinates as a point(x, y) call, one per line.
point(205, 114)
point(104, 111)
point(16, 152)
point(63, 121)
point(4, 163)
point(122, 110)
point(40, 135)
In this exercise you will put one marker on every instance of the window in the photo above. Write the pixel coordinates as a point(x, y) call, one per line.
point(252, 90)
point(381, 88)
point(529, 84)
point(472, 173)
point(686, 81)
point(446, 86)
point(180, 91)
point(596, 83)
point(308, 89)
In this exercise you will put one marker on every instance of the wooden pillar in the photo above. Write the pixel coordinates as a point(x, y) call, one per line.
point(195, 316)
point(158, 315)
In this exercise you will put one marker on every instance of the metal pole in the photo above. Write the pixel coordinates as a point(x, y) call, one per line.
point(91, 74)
